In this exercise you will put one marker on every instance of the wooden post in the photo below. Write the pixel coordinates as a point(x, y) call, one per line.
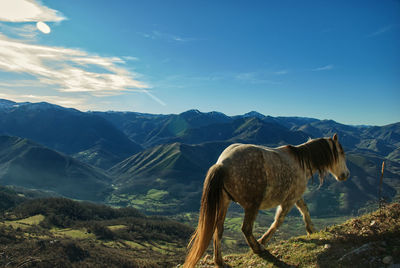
point(380, 184)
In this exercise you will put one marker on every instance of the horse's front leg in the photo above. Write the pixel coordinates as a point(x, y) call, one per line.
point(280, 214)
point(302, 207)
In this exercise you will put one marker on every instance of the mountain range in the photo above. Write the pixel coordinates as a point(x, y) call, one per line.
point(128, 158)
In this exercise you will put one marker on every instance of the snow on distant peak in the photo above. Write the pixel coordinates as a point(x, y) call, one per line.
point(6, 103)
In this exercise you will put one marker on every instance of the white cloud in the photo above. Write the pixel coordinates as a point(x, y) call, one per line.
point(68, 70)
point(27, 10)
point(73, 73)
point(75, 102)
point(324, 68)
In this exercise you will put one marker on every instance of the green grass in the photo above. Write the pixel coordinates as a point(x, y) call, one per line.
point(155, 194)
point(72, 233)
point(117, 227)
point(25, 223)
point(152, 202)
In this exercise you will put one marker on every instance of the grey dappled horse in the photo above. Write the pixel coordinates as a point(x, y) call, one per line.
point(258, 177)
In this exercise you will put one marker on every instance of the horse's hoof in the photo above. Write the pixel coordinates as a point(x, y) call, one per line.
point(259, 250)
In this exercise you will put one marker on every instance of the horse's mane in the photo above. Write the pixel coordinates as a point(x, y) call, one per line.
point(315, 154)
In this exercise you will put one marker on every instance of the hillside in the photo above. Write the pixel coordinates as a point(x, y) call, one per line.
point(166, 178)
point(371, 240)
point(30, 165)
point(149, 130)
point(58, 232)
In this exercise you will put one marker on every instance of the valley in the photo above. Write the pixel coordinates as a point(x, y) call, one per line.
point(145, 164)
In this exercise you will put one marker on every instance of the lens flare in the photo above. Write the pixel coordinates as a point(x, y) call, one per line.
point(43, 27)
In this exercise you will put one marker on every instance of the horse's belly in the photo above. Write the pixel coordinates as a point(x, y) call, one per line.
point(268, 203)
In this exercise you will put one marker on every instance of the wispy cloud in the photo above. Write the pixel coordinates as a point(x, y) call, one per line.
point(27, 10)
point(27, 32)
point(382, 30)
point(281, 72)
point(130, 58)
point(256, 78)
point(324, 68)
point(157, 35)
point(69, 70)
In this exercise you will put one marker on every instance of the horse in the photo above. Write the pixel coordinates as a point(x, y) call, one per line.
point(258, 177)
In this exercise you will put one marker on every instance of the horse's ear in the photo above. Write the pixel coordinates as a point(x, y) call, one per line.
point(335, 138)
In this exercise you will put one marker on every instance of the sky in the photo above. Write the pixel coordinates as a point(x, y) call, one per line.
point(327, 59)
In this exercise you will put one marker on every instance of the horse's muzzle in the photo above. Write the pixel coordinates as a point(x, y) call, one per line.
point(344, 176)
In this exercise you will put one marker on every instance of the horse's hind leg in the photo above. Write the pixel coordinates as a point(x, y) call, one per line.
point(247, 229)
point(280, 214)
point(302, 207)
point(219, 262)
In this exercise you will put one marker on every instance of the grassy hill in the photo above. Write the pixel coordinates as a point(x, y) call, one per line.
point(56, 232)
point(371, 240)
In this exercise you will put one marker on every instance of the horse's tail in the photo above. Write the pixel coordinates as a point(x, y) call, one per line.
point(211, 202)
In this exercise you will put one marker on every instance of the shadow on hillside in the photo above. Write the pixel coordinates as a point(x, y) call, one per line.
point(271, 258)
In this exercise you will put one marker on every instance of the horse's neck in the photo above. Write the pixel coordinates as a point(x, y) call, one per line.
point(312, 156)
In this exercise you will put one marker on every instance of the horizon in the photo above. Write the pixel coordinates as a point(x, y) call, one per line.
point(204, 112)
point(330, 61)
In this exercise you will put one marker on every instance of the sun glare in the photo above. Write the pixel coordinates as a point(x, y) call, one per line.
point(43, 27)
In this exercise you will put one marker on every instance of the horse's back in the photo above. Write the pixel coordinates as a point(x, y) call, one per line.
point(239, 151)
point(258, 175)
point(245, 170)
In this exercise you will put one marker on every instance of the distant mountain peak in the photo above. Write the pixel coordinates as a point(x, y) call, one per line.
point(43, 106)
point(254, 114)
point(191, 112)
point(6, 102)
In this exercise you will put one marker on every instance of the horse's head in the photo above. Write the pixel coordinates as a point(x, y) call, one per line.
point(339, 168)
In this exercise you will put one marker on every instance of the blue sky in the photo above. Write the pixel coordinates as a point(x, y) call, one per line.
point(335, 60)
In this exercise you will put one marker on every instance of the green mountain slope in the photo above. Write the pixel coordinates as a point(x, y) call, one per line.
point(30, 165)
point(174, 171)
